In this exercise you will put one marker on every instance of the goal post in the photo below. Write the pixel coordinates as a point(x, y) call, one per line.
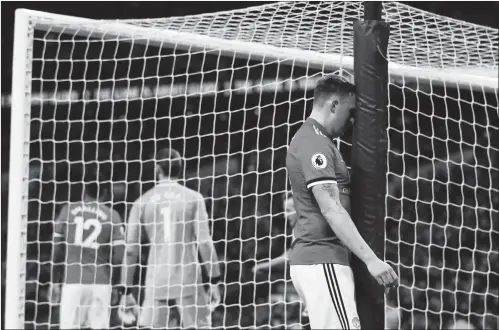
point(369, 155)
point(231, 88)
point(18, 172)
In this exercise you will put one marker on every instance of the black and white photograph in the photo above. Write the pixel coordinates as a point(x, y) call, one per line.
point(250, 165)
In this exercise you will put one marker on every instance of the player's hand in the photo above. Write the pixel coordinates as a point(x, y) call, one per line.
point(260, 267)
point(383, 273)
point(54, 293)
point(215, 295)
point(115, 297)
point(128, 310)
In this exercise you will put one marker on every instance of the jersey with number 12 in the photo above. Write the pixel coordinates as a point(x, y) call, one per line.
point(89, 229)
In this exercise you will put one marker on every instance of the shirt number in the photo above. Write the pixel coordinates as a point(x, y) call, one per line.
point(89, 224)
point(166, 213)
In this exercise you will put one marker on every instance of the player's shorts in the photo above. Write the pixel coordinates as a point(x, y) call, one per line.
point(85, 306)
point(192, 311)
point(328, 291)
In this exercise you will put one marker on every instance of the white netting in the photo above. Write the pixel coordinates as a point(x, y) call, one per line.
point(418, 38)
point(108, 94)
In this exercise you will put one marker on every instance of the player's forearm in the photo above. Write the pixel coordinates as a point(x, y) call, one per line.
point(118, 254)
point(59, 253)
point(209, 258)
point(344, 228)
point(280, 260)
point(129, 264)
point(328, 198)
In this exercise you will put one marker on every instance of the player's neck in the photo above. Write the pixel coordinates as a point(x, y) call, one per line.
point(321, 118)
point(89, 199)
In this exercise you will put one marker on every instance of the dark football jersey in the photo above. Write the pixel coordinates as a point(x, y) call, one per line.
point(313, 159)
point(89, 229)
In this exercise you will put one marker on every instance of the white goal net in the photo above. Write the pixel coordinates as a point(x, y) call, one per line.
point(229, 90)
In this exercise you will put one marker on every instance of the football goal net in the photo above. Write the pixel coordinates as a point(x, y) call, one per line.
point(229, 90)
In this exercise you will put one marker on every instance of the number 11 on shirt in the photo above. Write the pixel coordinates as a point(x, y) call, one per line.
point(167, 216)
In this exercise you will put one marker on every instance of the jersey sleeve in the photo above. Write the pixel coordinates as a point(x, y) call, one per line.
point(316, 161)
point(133, 225)
point(118, 231)
point(61, 223)
point(201, 222)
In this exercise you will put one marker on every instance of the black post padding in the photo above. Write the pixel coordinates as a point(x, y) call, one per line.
point(373, 10)
point(369, 154)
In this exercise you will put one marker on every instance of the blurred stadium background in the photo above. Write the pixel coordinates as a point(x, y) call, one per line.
point(246, 205)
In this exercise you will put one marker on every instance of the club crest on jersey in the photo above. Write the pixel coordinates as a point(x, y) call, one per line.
point(319, 161)
point(356, 323)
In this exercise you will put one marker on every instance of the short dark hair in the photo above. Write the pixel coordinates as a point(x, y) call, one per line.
point(332, 84)
point(169, 161)
point(96, 184)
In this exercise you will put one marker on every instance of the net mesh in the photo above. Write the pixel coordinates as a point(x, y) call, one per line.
point(109, 102)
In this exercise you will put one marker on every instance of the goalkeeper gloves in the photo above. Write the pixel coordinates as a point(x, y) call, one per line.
point(128, 310)
point(214, 292)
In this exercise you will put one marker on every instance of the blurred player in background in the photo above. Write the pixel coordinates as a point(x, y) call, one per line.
point(176, 223)
point(88, 241)
point(282, 260)
point(324, 231)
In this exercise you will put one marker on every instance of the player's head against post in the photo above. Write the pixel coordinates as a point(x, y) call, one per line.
point(168, 164)
point(334, 103)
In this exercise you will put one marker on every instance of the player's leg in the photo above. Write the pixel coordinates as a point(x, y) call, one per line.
point(171, 314)
point(70, 307)
point(147, 311)
point(86, 301)
point(100, 307)
point(158, 314)
point(342, 277)
point(305, 322)
point(321, 296)
point(195, 310)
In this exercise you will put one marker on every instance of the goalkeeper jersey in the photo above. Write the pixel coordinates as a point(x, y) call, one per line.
point(313, 159)
point(89, 230)
point(175, 220)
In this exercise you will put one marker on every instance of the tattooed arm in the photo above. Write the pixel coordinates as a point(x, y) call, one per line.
point(327, 196)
